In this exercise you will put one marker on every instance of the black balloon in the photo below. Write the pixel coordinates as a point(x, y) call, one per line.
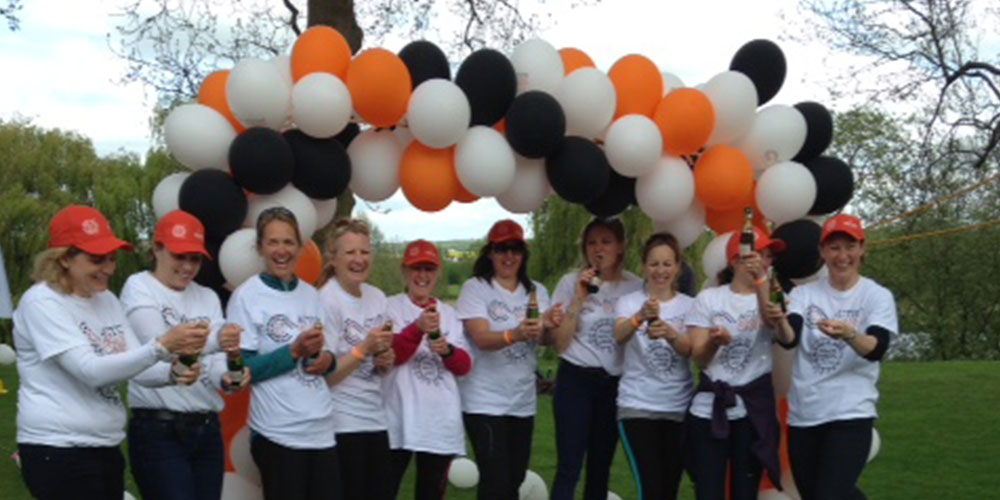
point(487, 77)
point(322, 167)
point(617, 197)
point(801, 256)
point(578, 170)
point(764, 63)
point(209, 274)
point(834, 184)
point(346, 136)
point(261, 160)
point(216, 200)
point(535, 124)
point(425, 61)
point(819, 130)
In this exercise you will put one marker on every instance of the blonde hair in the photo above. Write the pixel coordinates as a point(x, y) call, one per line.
point(338, 229)
point(49, 269)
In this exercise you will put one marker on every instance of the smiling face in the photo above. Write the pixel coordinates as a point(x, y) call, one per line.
point(421, 279)
point(843, 255)
point(661, 267)
point(280, 248)
point(352, 258)
point(604, 250)
point(176, 271)
point(88, 273)
point(507, 258)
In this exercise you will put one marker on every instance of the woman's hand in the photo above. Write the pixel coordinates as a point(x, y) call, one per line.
point(529, 329)
point(659, 329)
point(227, 383)
point(839, 330)
point(440, 346)
point(586, 276)
point(719, 336)
point(385, 360)
point(321, 364)
point(429, 321)
point(186, 375)
point(754, 265)
point(650, 310)
point(377, 341)
point(553, 317)
point(188, 338)
point(773, 315)
point(308, 343)
point(229, 337)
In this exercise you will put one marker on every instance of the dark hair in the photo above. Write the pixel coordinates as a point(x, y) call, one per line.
point(276, 214)
point(665, 239)
point(725, 276)
point(483, 267)
point(612, 224)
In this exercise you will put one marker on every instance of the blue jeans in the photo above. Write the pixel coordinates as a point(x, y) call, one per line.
point(177, 459)
point(81, 473)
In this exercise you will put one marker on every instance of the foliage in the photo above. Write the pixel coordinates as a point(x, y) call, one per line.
point(9, 13)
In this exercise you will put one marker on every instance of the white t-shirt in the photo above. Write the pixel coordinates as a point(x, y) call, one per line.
point(152, 309)
point(594, 345)
point(292, 409)
point(501, 382)
point(655, 378)
point(357, 400)
point(829, 380)
point(422, 403)
point(747, 357)
point(55, 408)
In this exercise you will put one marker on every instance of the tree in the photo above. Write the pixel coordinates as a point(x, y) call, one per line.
point(9, 12)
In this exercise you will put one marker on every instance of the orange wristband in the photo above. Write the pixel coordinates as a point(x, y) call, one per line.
point(636, 324)
point(357, 354)
point(760, 281)
point(507, 338)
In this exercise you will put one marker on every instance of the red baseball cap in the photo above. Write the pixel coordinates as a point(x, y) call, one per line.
point(421, 252)
point(504, 231)
point(84, 228)
point(181, 233)
point(761, 241)
point(848, 224)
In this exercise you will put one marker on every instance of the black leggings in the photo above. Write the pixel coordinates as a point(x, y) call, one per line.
point(827, 459)
point(432, 473)
point(655, 450)
point(294, 474)
point(502, 445)
point(364, 465)
point(83, 473)
point(709, 457)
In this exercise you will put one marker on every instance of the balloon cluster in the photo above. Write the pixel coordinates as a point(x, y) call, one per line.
point(296, 131)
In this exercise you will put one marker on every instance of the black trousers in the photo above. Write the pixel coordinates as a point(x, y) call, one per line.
point(710, 458)
point(827, 460)
point(364, 465)
point(294, 474)
point(432, 473)
point(502, 445)
point(655, 450)
point(584, 407)
point(80, 473)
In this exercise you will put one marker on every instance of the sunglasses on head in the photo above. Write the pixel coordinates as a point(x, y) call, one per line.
point(509, 247)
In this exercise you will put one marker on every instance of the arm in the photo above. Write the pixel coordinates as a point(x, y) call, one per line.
point(270, 365)
point(702, 348)
point(96, 370)
point(459, 363)
point(405, 344)
point(625, 328)
point(479, 331)
point(562, 336)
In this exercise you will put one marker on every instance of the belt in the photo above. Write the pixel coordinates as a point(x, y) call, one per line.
point(174, 416)
point(593, 371)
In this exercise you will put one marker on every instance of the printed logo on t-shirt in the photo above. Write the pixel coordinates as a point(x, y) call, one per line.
point(498, 311)
point(355, 333)
point(428, 368)
point(306, 379)
point(824, 353)
point(813, 316)
point(281, 329)
point(735, 356)
point(601, 335)
point(660, 357)
point(110, 340)
point(519, 352)
point(173, 318)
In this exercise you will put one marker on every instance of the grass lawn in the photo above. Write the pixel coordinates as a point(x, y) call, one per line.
point(940, 437)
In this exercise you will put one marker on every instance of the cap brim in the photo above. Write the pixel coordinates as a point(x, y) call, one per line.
point(104, 246)
point(852, 234)
point(507, 239)
point(182, 248)
point(421, 260)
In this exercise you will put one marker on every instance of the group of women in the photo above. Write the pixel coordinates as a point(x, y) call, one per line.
point(348, 385)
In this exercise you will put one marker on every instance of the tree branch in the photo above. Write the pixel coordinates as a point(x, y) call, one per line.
point(293, 21)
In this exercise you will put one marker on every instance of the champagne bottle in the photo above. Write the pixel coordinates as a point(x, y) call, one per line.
point(594, 285)
point(436, 334)
point(234, 365)
point(532, 312)
point(311, 360)
point(186, 362)
point(747, 236)
point(777, 293)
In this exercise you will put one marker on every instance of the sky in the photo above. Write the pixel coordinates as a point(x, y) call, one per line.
point(59, 72)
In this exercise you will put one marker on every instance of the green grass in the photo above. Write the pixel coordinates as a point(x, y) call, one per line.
point(939, 429)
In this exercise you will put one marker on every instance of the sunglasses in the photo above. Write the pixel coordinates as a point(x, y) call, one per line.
point(192, 258)
point(513, 247)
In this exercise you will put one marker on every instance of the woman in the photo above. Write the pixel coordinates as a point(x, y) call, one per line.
point(733, 422)
point(499, 306)
point(842, 326)
point(421, 395)
point(74, 346)
point(357, 314)
point(590, 361)
point(291, 434)
point(656, 385)
point(175, 442)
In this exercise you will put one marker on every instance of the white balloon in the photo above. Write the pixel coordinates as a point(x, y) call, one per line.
point(876, 445)
point(198, 136)
point(403, 136)
point(165, 195)
point(321, 105)
point(734, 99)
point(528, 189)
point(687, 228)
point(463, 473)
point(713, 260)
point(235, 487)
point(7, 355)
point(776, 135)
point(533, 487)
point(238, 257)
point(325, 210)
point(613, 496)
point(438, 114)
point(666, 191)
point(818, 275)
point(127, 496)
point(290, 198)
point(283, 63)
point(484, 162)
point(538, 66)
point(257, 94)
point(633, 145)
point(786, 192)
point(671, 82)
point(772, 495)
point(588, 99)
point(239, 453)
point(375, 156)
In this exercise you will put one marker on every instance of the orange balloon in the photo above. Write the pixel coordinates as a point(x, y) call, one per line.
point(732, 220)
point(323, 49)
point(501, 126)
point(574, 59)
point(428, 177)
point(723, 178)
point(638, 85)
point(464, 196)
point(213, 94)
point(380, 87)
point(686, 119)
point(310, 264)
